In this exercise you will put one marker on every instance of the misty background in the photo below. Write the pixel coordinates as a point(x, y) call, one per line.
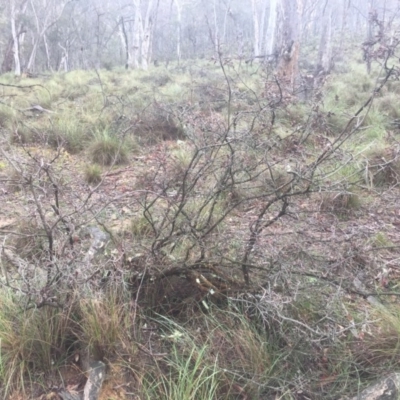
point(60, 35)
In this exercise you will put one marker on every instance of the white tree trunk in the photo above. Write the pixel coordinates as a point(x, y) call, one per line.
point(143, 33)
point(216, 31)
point(48, 16)
point(370, 31)
point(271, 29)
point(288, 39)
point(63, 66)
point(178, 30)
point(136, 34)
point(325, 44)
point(227, 11)
point(17, 61)
point(147, 25)
point(256, 28)
point(32, 57)
point(262, 25)
point(124, 40)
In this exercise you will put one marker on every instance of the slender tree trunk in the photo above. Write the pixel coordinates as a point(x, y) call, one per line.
point(15, 47)
point(43, 20)
point(345, 12)
point(147, 27)
point(289, 31)
point(262, 25)
point(136, 34)
point(47, 50)
point(124, 39)
point(143, 35)
point(227, 11)
point(63, 66)
point(178, 30)
point(271, 29)
point(32, 57)
point(216, 31)
point(256, 28)
point(370, 31)
point(325, 45)
point(7, 63)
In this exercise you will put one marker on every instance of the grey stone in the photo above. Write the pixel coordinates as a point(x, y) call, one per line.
point(93, 385)
point(95, 381)
point(387, 388)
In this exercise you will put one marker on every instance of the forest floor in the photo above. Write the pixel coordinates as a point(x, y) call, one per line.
point(319, 316)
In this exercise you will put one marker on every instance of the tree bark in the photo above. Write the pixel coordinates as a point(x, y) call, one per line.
point(143, 33)
point(288, 40)
point(178, 30)
point(43, 23)
point(125, 43)
point(325, 44)
point(256, 29)
point(271, 29)
point(15, 47)
point(370, 29)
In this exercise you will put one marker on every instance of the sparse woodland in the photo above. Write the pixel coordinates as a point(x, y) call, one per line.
point(199, 198)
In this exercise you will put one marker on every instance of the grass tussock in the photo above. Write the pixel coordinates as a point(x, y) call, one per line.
point(7, 116)
point(108, 149)
point(67, 132)
point(31, 239)
point(382, 167)
point(141, 227)
point(93, 174)
point(381, 344)
point(340, 202)
point(31, 342)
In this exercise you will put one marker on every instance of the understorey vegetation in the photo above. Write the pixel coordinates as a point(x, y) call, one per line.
point(204, 231)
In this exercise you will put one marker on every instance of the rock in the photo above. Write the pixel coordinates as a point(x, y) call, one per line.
point(99, 241)
point(95, 380)
point(93, 385)
point(387, 388)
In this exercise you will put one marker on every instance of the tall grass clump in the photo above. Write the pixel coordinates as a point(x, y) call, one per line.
point(31, 342)
point(7, 116)
point(381, 345)
point(93, 174)
point(189, 377)
point(104, 322)
point(108, 149)
point(67, 132)
point(221, 354)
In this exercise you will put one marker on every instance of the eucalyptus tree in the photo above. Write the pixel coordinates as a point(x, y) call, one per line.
point(17, 10)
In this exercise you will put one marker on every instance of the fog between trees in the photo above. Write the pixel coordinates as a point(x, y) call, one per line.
point(60, 35)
